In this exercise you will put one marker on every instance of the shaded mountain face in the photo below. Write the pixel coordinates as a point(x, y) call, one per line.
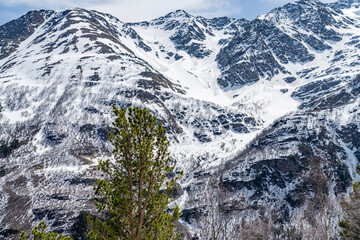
point(259, 107)
point(16, 31)
point(344, 4)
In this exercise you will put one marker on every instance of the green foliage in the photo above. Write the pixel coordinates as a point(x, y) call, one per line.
point(135, 190)
point(80, 228)
point(350, 224)
point(39, 233)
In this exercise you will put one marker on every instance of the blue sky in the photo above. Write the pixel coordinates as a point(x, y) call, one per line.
point(139, 10)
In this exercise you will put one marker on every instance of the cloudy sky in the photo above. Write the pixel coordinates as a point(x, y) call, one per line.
point(139, 10)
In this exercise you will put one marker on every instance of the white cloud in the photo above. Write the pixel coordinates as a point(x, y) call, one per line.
point(137, 10)
point(140, 10)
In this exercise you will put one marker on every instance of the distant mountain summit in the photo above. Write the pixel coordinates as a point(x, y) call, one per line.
point(261, 108)
point(346, 4)
point(16, 31)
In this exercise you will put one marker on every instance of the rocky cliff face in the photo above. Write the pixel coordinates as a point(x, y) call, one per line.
point(267, 109)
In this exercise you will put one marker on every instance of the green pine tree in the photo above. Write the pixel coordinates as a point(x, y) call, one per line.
point(350, 224)
point(39, 233)
point(135, 191)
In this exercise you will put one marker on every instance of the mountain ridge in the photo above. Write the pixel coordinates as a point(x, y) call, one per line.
point(251, 104)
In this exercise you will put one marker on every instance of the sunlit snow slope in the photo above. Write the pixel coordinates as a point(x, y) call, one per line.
point(236, 97)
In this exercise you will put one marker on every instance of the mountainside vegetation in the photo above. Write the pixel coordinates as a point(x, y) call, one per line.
point(350, 224)
point(262, 115)
point(135, 190)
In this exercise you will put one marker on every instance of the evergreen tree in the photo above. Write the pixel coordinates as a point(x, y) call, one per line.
point(39, 233)
point(135, 190)
point(350, 224)
point(80, 229)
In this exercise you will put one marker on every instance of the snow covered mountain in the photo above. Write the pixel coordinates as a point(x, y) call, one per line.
point(259, 107)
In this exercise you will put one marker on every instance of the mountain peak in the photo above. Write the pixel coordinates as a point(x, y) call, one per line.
point(216, 84)
point(178, 13)
point(346, 4)
point(312, 3)
point(308, 1)
point(178, 16)
point(16, 31)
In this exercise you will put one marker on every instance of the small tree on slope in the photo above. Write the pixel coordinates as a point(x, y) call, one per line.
point(135, 191)
point(350, 224)
point(39, 233)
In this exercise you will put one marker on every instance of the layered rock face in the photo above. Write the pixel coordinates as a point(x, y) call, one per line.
point(266, 110)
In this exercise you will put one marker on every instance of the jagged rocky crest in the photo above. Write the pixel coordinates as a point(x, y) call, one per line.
point(256, 106)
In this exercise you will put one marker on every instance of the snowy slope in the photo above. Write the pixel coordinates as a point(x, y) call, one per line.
point(237, 97)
